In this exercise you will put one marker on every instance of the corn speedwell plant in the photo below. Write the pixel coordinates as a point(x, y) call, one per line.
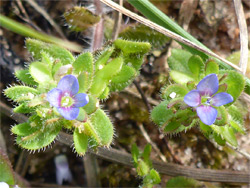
point(61, 91)
point(203, 96)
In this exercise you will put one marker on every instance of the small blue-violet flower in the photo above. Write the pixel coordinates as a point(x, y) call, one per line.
point(66, 99)
point(204, 97)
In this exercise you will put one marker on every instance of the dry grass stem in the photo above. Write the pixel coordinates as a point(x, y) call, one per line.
point(243, 35)
point(165, 31)
point(154, 146)
point(47, 17)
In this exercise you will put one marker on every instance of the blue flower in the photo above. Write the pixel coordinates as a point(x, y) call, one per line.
point(204, 97)
point(66, 99)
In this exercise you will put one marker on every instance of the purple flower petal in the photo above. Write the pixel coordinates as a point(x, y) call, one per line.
point(221, 99)
point(54, 97)
point(208, 85)
point(207, 114)
point(68, 113)
point(69, 84)
point(193, 98)
point(81, 99)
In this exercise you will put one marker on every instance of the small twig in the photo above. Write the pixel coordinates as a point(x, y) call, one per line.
point(2, 140)
point(47, 17)
point(92, 170)
point(146, 136)
point(98, 30)
point(144, 98)
point(165, 31)
point(176, 160)
point(118, 20)
point(243, 35)
point(27, 18)
point(245, 154)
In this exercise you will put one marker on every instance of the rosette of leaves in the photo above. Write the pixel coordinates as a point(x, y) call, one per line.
point(144, 167)
point(97, 76)
point(173, 115)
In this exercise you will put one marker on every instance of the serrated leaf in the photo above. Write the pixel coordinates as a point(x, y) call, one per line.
point(6, 171)
point(80, 18)
point(25, 77)
point(135, 153)
point(35, 47)
point(178, 61)
point(111, 69)
point(144, 33)
point(80, 142)
point(211, 67)
point(20, 93)
point(238, 127)
point(161, 114)
point(128, 47)
point(84, 62)
point(180, 78)
point(103, 58)
point(133, 60)
point(235, 115)
point(92, 105)
point(84, 82)
point(102, 126)
point(24, 129)
point(142, 168)
point(146, 155)
point(23, 108)
point(226, 133)
point(206, 129)
point(195, 64)
point(181, 181)
point(171, 126)
point(39, 138)
point(123, 78)
point(219, 140)
point(155, 176)
point(105, 93)
point(40, 72)
point(178, 89)
point(235, 84)
point(222, 115)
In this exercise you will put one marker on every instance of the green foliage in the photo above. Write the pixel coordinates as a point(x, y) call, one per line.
point(6, 171)
point(144, 166)
point(145, 34)
point(180, 77)
point(25, 77)
point(211, 67)
point(181, 181)
point(180, 91)
point(174, 116)
point(97, 76)
point(40, 72)
point(161, 114)
point(36, 47)
point(235, 83)
point(80, 142)
point(123, 78)
point(226, 133)
point(102, 127)
point(80, 18)
point(20, 93)
point(178, 61)
point(36, 134)
point(129, 47)
point(195, 65)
